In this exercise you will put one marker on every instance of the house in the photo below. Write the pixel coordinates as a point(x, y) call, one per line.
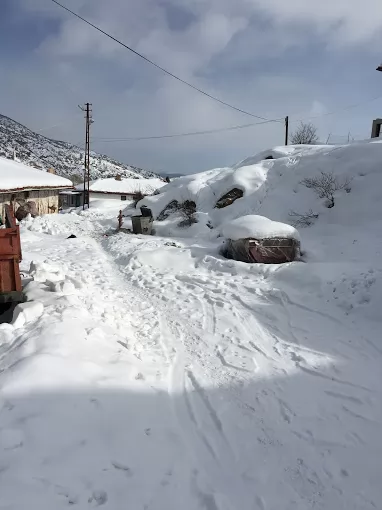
point(114, 188)
point(29, 189)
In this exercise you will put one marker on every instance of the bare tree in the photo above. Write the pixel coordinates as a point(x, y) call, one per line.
point(326, 184)
point(306, 133)
point(303, 220)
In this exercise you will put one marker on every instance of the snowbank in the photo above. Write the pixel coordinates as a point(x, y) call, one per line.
point(258, 227)
point(17, 176)
point(274, 187)
point(125, 186)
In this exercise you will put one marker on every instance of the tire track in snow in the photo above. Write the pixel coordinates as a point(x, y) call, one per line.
point(212, 451)
point(194, 411)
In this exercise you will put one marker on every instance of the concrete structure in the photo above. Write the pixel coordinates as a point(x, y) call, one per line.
point(71, 198)
point(376, 128)
point(33, 190)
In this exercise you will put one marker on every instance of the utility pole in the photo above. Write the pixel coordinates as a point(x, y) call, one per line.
point(286, 130)
point(88, 121)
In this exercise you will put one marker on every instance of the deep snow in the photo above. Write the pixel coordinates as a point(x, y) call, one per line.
point(257, 227)
point(151, 373)
point(15, 175)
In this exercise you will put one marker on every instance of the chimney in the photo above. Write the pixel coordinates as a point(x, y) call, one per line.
point(118, 177)
point(51, 171)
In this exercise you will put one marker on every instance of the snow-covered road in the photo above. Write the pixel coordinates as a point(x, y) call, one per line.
point(161, 376)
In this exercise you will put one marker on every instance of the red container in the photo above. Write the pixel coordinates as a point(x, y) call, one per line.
point(10, 256)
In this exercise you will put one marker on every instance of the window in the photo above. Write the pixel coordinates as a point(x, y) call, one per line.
point(123, 197)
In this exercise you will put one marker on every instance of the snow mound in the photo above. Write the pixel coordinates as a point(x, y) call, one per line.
point(275, 188)
point(258, 227)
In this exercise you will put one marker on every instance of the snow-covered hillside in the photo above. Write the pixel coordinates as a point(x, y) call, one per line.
point(66, 159)
point(149, 372)
point(274, 187)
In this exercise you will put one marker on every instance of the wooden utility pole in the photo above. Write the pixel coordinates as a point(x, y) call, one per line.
point(88, 121)
point(286, 130)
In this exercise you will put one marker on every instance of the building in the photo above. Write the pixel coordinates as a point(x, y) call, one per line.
point(114, 188)
point(29, 189)
point(71, 198)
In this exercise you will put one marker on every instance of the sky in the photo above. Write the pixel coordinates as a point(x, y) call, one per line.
point(271, 58)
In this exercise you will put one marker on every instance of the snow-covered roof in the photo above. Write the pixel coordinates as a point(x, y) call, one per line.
point(15, 176)
point(124, 186)
point(258, 227)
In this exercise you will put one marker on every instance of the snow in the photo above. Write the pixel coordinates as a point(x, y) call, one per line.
point(125, 186)
point(16, 176)
point(258, 227)
point(273, 188)
point(36, 150)
point(155, 374)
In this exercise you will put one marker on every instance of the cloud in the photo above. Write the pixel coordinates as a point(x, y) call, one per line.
point(269, 57)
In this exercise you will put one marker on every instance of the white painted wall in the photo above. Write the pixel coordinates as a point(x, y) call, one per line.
point(105, 196)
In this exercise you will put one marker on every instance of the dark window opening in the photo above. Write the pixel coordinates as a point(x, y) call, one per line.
point(123, 197)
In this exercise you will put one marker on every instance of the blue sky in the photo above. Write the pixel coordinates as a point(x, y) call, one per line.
point(269, 57)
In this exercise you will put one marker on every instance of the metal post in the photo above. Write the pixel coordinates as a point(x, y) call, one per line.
point(88, 121)
point(286, 130)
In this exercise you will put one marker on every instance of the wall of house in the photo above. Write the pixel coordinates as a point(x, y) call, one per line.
point(110, 196)
point(46, 200)
point(5, 198)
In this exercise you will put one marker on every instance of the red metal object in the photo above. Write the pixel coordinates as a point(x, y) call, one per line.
point(10, 256)
point(263, 251)
point(273, 251)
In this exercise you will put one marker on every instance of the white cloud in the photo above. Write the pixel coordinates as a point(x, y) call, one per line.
point(75, 64)
point(345, 21)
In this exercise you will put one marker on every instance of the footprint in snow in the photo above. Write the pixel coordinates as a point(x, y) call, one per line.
point(99, 498)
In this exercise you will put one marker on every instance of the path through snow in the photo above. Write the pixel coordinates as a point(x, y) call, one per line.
point(163, 377)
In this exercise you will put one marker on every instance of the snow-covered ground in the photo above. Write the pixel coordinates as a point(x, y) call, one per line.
point(151, 373)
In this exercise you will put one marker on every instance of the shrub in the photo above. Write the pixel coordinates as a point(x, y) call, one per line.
point(325, 186)
point(306, 133)
point(303, 220)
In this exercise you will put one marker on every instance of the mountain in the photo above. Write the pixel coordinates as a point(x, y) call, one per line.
point(66, 159)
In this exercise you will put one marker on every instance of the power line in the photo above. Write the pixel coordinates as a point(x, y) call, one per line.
point(159, 67)
point(230, 128)
point(349, 107)
point(178, 135)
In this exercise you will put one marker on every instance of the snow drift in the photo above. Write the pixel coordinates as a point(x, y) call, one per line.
point(274, 188)
point(258, 227)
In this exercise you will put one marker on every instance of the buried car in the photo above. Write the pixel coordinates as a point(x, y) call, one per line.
point(258, 239)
